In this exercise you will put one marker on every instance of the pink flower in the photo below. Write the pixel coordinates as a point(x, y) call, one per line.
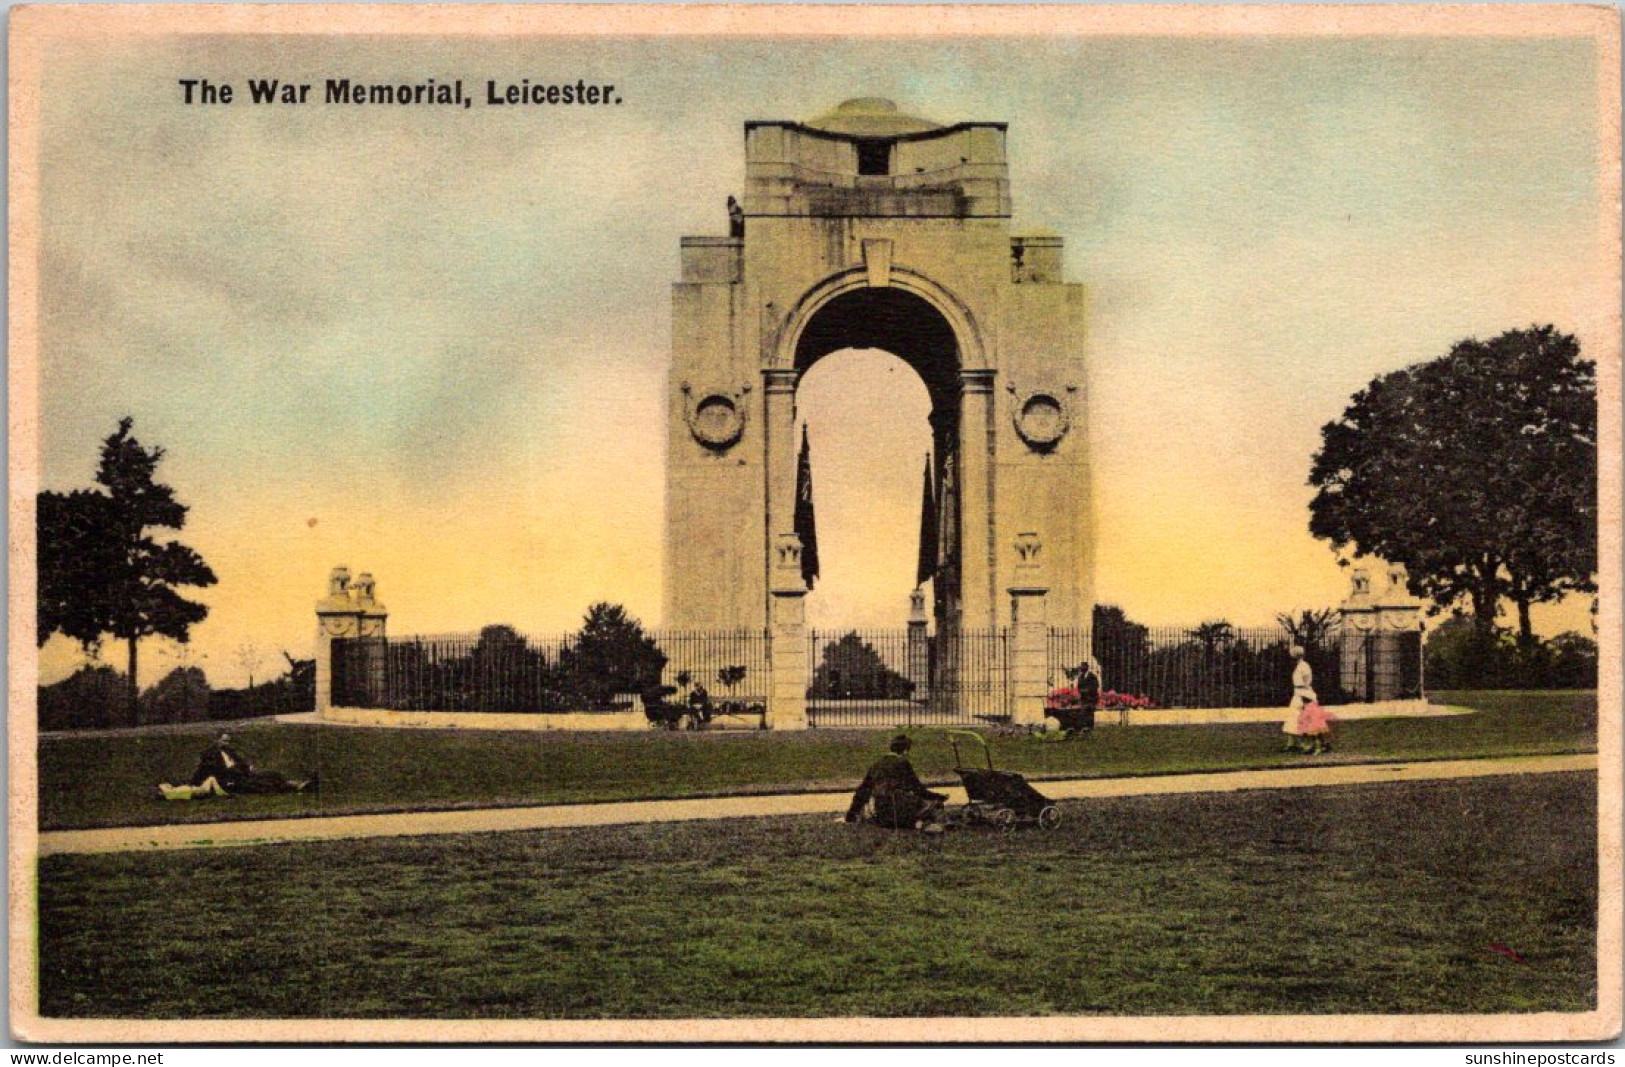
point(1063, 698)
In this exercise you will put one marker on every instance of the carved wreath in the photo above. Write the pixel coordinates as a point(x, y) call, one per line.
point(337, 627)
point(716, 419)
point(1041, 420)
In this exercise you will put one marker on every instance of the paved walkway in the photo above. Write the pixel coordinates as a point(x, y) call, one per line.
point(487, 820)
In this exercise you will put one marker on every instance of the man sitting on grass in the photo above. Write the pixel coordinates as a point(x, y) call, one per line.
point(892, 794)
point(221, 772)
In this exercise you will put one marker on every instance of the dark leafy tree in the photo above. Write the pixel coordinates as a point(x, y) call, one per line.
point(182, 695)
point(611, 655)
point(101, 569)
point(1313, 628)
point(506, 672)
point(1573, 660)
point(91, 698)
point(1214, 636)
point(1462, 655)
point(1477, 470)
point(1122, 647)
point(76, 548)
point(852, 669)
point(298, 684)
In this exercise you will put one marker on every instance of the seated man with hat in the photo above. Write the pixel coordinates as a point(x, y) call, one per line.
point(222, 771)
point(893, 795)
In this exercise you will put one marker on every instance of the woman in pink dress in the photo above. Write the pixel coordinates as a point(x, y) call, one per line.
point(1309, 724)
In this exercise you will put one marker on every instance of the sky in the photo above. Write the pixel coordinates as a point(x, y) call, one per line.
point(431, 343)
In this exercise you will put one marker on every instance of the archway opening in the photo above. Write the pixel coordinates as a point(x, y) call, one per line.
point(867, 414)
point(886, 399)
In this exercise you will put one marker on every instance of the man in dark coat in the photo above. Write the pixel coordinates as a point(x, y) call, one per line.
point(1082, 718)
point(897, 796)
point(234, 774)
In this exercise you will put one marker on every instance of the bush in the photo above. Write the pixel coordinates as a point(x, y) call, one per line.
point(91, 698)
point(1461, 656)
point(96, 698)
point(1574, 661)
point(182, 695)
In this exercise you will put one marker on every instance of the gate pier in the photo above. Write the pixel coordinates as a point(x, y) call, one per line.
point(787, 643)
point(1029, 635)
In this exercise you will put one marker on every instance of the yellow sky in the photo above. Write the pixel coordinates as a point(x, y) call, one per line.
point(433, 345)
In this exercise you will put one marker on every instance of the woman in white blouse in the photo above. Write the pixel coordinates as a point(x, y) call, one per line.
point(1303, 691)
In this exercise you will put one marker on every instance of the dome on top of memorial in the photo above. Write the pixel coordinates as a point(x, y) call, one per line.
point(871, 116)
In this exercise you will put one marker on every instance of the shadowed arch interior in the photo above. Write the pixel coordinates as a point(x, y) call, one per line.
point(910, 328)
point(897, 321)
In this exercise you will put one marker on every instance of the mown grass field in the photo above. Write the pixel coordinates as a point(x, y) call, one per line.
point(108, 779)
point(1468, 896)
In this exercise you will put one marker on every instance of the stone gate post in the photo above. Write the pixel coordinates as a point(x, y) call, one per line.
point(1381, 649)
point(1029, 635)
point(336, 616)
point(787, 703)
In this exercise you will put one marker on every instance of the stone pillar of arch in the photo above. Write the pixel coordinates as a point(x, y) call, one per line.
point(976, 518)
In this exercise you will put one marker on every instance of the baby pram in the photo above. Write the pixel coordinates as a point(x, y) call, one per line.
point(999, 798)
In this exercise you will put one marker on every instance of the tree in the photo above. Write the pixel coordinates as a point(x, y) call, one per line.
point(249, 658)
point(75, 547)
point(853, 670)
point(1311, 628)
point(506, 673)
point(1462, 655)
point(1214, 635)
point(92, 697)
point(610, 655)
point(182, 695)
point(297, 688)
point(729, 677)
point(1121, 646)
point(1477, 470)
point(102, 572)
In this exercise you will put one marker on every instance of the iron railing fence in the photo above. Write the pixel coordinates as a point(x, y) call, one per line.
point(1385, 665)
point(733, 666)
point(862, 677)
point(908, 677)
point(501, 670)
point(1203, 666)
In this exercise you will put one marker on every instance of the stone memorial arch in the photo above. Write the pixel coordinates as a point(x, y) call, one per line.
point(869, 228)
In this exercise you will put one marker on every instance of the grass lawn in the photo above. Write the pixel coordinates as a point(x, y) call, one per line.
point(1372, 899)
point(108, 779)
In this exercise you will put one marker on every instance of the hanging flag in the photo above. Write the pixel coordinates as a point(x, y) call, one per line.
point(806, 523)
point(948, 518)
point(928, 529)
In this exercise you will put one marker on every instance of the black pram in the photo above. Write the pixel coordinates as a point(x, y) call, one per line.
point(1000, 798)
